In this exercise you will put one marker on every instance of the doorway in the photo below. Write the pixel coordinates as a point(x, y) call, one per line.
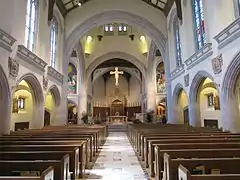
point(47, 118)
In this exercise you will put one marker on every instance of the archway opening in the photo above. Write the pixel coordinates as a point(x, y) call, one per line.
point(209, 104)
point(182, 101)
point(22, 106)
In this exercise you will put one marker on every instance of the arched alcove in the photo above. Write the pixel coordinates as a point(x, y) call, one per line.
point(204, 101)
point(26, 101)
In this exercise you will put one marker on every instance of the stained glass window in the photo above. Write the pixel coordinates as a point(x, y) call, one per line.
point(177, 43)
point(200, 33)
point(108, 28)
point(122, 28)
point(31, 24)
point(54, 40)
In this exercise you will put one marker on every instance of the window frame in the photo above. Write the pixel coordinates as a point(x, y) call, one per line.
point(209, 103)
point(53, 51)
point(29, 30)
point(23, 107)
point(202, 26)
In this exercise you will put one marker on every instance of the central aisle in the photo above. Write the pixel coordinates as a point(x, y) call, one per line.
point(117, 160)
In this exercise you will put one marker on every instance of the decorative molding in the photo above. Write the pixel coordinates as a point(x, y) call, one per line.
point(199, 56)
point(45, 83)
point(6, 41)
point(28, 56)
point(229, 34)
point(13, 67)
point(217, 64)
point(177, 72)
point(186, 80)
point(55, 74)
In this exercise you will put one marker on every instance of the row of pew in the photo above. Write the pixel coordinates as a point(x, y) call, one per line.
point(181, 152)
point(51, 153)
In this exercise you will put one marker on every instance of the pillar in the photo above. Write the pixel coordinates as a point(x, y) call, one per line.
point(230, 113)
point(194, 114)
point(151, 95)
point(82, 104)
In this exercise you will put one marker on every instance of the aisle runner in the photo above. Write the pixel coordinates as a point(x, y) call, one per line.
point(117, 160)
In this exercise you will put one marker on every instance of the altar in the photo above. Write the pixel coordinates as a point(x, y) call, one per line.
point(117, 119)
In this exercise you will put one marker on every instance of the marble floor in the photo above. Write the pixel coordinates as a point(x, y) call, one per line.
point(117, 161)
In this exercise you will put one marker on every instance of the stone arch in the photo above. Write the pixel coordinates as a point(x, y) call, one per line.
point(229, 103)
point(112, 55)
point(5, 103)
point(159, 37)
point(38, 99)
point(180, 107)
point(194, 96)
point(56, 93)
point(177, 90)
point(81, 66)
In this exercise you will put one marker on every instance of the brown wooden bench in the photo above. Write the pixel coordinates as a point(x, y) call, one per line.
point(47, 174)
point(225, 165)
point(61, 167)
point(184, 174)
point(190, 153)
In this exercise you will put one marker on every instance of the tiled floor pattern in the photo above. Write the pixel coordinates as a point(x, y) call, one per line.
point(117, 161)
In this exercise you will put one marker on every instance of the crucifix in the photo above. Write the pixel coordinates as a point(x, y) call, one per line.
point(116, 73)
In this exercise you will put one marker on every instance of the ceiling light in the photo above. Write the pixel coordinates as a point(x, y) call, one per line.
point(142, 38)
point(79, 4)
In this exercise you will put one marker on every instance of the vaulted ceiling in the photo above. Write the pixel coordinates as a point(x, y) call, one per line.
point(66, 6)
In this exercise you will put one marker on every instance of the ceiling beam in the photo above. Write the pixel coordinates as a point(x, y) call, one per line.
point(61, 7)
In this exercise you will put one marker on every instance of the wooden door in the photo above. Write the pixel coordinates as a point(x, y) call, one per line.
point(186, 115)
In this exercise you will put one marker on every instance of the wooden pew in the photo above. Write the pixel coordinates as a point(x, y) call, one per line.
point(61, 167)
point(150, 156)
point(190, 153)
point(47, 174)
point(62, 147)
point(226, 165)
point(45, 155)
point(184, 174)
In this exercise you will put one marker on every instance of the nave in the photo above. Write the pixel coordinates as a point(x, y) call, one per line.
point(117, 160)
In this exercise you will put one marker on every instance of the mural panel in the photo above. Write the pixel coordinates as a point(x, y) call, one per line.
point(161, 85)
point(72, 79)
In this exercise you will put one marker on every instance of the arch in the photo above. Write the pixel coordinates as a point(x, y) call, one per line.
point(231, 77)
point(194, 97)
point(113, 55)
point(150, 58)
point(110, 16)
point(81, 58)
point(196, 83)
point(229, 103)
point(5, 103)
point(56, 94)
point(177, 90)
point(38, 99)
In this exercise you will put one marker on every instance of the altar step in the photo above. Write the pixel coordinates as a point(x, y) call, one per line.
point(117, 128)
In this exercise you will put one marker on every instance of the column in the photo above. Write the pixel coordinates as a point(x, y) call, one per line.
point(151, 95)
point(61, 115)
point(194, 114)
point(230, 113)
point(82, 104)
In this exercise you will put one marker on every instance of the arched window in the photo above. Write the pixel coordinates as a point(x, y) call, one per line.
point(54, 40)
point(177, 42)
point(200, 33)
point(31, 24)
point(238, 6)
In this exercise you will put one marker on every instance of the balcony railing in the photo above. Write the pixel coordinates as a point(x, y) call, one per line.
point(199, 56)
point(55, 74)
point(177, 72)
point(229, 34)
point(29, 57)
point(6, 41)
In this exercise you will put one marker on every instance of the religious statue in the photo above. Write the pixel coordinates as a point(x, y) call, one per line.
point(116, 73)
